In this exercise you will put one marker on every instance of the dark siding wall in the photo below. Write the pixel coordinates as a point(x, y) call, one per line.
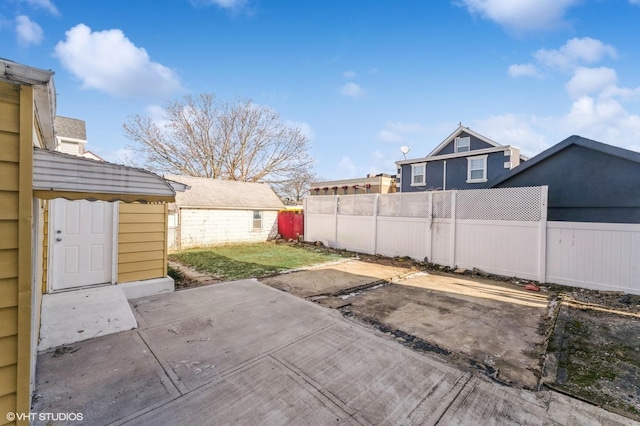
point(456, 173)
point(495, 165)
point(475, 144)
point(434, 175)
point(586, 186)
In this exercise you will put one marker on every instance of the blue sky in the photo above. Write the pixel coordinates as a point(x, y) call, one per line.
point(360, 78)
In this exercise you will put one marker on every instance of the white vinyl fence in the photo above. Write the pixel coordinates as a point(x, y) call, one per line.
point(501, 231)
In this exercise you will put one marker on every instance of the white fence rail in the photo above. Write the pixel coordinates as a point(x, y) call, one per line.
point(501, 231)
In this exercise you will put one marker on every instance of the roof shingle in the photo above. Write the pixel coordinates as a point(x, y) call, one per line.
point(225, 194)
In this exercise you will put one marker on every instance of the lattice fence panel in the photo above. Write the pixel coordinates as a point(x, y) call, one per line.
point(441, 206)
point(521, 204)
point(357, 205)
point(321, 204)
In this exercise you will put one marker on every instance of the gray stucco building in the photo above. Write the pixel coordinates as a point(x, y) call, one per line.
point(588, 181)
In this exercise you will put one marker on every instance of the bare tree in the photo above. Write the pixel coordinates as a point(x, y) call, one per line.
point(296, 188)
point(235, 140)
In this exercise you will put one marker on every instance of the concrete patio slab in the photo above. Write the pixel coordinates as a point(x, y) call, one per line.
point(105, 379)
point(199, 348)
point(334, 278)
point(167, 308)
point(261, 356)
point(262, 393)
point(482, 403)
point(79, 315)
point(377, 379)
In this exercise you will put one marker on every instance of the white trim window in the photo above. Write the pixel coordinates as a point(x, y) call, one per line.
point(463, 144)
point(419, 174)
point(477, 169)
point(257, 220)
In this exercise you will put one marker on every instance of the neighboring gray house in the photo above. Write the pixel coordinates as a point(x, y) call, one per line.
point(214, 211)
point(71, 137)
point(588, 181)
point(464, 160)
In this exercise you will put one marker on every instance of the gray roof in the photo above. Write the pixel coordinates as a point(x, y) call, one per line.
point(571, 140)
point(55, 172)
point(225, 194)
point(70, 128)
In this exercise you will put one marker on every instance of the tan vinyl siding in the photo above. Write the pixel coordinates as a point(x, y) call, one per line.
point(7, 403)
point(8, 293)
point(10, 239)
point(142, 241)
point(8, 357)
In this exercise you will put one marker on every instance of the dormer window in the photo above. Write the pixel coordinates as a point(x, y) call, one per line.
point(463, 144)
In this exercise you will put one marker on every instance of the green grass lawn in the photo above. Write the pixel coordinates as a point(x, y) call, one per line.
point(239, 261)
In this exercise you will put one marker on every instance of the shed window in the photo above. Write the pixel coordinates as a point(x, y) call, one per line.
point(477, 169)
point(257, 220)
point(418, 172)
point(463, 144)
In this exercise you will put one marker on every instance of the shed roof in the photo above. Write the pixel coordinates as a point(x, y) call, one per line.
point(59, 175)
point(226, 194)
point(560, 146)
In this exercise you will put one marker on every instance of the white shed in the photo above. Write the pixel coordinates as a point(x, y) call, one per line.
point(214, 211)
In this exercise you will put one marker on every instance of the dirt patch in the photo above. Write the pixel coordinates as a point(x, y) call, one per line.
point(185, 277)
point(597, 351)
point(496, 328)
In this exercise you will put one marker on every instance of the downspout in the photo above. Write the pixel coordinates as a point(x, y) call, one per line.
point(444, 176)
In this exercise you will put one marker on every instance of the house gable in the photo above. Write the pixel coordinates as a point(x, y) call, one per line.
point(476, 142)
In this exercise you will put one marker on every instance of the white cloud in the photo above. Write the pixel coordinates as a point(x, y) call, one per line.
point(589, 81)
point(572, 55)
point(605, 120)
point(634, 1)
point(514, 130)
point(523, 70)
point(305, 128)
point(27, 31)
point(349, 74)
point(521, 15)
point(108, 61)
point(44, 4)
point(353, 90)
point(596, 110)
point(347, 167)
point(398, 131)
point(389, 136)
point(404, 127)
point(575, 52)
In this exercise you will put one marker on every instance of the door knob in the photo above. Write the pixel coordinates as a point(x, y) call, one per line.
point(58, 239)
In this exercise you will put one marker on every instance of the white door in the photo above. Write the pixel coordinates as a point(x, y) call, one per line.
point(81, 243)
